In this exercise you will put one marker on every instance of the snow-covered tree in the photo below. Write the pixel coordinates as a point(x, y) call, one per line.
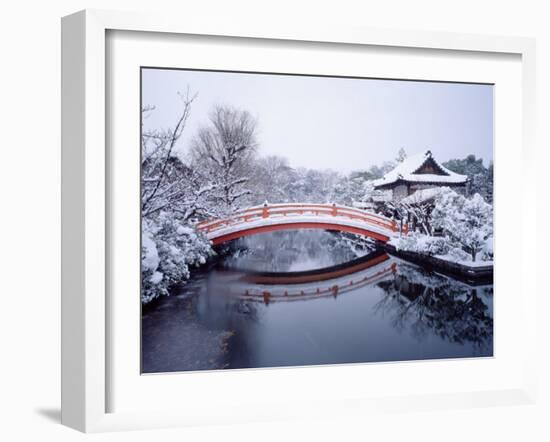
point(401, 156)
point(160, 185)
point(466, 221)
point(480, 177)
point(171, 196)
point(271, 180)
point(374, 172)
point(368, 191)
point(223, 152)
point(166, 182)
point(347, 189)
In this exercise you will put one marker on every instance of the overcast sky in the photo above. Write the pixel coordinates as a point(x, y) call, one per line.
point(334, 123)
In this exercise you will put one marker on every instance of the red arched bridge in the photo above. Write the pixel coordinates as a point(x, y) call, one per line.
point(269, 218)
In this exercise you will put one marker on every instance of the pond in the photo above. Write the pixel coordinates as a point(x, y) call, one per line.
point(312, 297)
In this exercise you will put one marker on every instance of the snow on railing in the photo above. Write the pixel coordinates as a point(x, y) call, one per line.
point(297, 209)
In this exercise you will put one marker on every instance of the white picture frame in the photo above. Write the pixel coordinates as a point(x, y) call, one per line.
point(85, 215)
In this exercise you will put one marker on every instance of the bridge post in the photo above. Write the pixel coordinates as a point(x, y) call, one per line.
point(334, 209)
point(265, 211)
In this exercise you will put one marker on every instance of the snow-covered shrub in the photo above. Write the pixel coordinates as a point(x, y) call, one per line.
point(458, 255)
point(437, 246)
point(169, 248)
point(428, 245)
point(468, 222)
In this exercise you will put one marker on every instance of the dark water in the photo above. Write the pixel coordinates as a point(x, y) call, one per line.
point(278, 312)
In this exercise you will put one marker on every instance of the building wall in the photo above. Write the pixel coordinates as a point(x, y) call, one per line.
point(400, 192)
point(457, 188)
point(403, 190)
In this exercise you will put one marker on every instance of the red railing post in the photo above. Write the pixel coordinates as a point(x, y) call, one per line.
point(265, 211)
point(334, 209)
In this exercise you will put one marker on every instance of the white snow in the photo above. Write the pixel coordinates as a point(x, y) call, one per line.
point(466, 262)
point(156, 277)
point(185, 230)
point(151, 259)
point(427, 245)
point(467, 222)
point(406, 171)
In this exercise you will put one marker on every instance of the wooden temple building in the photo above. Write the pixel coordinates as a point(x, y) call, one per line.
point(419, 173)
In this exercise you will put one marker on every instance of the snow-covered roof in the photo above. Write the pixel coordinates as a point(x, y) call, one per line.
point(408, 171)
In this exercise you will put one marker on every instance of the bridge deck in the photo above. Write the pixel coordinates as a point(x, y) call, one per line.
point(299, 216)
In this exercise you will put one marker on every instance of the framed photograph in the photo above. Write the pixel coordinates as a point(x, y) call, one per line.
point(252, 235)
point(250, 212)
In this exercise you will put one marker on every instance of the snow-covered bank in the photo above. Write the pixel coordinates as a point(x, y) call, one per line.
point(445, 253)
point(466, 263)
point(478, 272)
point(442, 248)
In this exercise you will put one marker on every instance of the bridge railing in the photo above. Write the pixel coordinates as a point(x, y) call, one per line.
point(283, 210)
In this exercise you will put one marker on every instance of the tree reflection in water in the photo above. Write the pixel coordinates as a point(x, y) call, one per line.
point(404, 314)
point(425, 303)
point(295, 250)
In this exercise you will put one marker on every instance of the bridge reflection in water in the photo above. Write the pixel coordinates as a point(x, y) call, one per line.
point(372, 309)
point(330, 281)
point(415, 302)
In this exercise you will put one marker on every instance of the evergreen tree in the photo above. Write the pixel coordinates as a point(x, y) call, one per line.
point(480, 177)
